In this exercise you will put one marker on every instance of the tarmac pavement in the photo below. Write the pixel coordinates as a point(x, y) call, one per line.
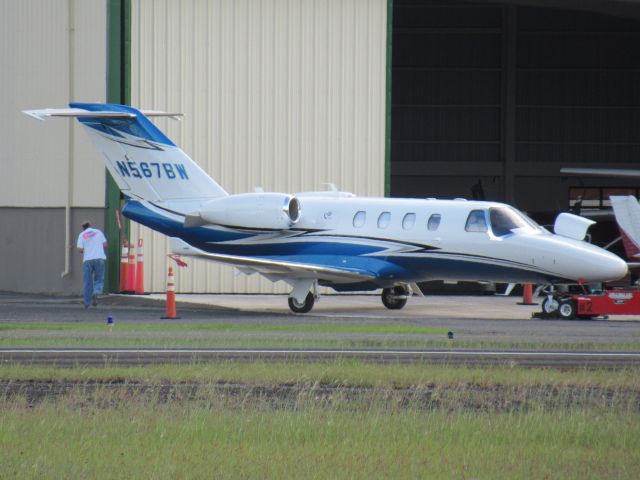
point(473, 318)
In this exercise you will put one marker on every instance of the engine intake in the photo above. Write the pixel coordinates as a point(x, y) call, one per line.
point(273, 211)
point(572, 226)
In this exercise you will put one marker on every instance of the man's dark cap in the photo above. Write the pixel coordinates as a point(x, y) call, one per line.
point(86, 224)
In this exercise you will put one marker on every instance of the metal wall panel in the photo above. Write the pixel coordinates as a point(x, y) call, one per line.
point(35, 259)
point(51, 52)
point(35, 50)
point(283, 94)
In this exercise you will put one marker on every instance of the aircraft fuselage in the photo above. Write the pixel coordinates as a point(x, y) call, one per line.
point(402, 240)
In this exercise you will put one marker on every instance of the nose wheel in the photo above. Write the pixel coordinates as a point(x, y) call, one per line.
point(557, 306)
point(550, 305)
point(395, 298)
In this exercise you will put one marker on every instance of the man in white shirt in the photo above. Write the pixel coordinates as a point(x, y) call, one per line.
point(91, 243)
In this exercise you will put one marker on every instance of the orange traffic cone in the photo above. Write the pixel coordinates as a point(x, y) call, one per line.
point(140, 270)
point(170, 305)
point(131, 270)
point(124, 259)
point(527, 295)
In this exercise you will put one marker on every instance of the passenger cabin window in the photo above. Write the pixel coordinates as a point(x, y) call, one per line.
point(359, 219)
point(409, 221)
point(384, 219)
point(434, 222)
point(476, 222)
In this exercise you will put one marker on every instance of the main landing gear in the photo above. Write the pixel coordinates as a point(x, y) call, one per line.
point(305, 293)
point(395, 298)
point(302, 307)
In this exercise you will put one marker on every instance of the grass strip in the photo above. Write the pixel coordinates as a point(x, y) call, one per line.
point(337, 372)
point(138, 440)
point(133, 340)
point(338, 328)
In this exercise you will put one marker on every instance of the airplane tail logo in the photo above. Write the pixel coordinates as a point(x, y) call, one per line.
point(145, 164)
point(627, 212)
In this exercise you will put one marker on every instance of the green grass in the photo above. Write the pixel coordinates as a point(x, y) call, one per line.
point(113, 340)
point(257, 335)
point(103, 432)
point(136, 440)
point(338, 372)
point(142, 327)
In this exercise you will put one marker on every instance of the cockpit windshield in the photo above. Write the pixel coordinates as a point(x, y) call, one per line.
point(505, 220)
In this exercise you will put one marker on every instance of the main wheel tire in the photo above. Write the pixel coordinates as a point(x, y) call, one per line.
point(550, 305)
point(567, 309)
point(391, 300)
point(304, 307)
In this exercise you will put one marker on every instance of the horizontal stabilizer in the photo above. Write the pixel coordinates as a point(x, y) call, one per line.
point(46, 113)
point(74, 113)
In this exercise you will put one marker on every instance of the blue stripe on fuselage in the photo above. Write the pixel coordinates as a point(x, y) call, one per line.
point(166, 225)
point(432, 267)
point(212, 240)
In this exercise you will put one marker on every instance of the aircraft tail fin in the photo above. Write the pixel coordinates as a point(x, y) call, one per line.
point(145, 164)
point(627, 212)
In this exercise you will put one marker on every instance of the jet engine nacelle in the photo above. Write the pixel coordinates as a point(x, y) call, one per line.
point(572, 226)
point(277, 211)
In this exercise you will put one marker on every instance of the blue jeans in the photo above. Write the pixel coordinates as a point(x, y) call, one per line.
point(93, 271)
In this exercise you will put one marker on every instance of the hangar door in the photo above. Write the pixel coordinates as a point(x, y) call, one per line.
point(501, 97)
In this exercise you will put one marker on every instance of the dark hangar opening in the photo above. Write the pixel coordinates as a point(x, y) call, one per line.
point(493, 99)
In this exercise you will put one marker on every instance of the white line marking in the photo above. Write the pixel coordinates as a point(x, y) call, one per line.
point(369, 352)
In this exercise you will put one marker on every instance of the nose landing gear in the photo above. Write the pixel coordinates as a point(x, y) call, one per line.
point(557, 305)
point(550, 305)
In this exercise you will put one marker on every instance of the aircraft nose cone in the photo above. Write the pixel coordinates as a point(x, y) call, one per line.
point(609, 267)
point(593, 264)
point(615, 269)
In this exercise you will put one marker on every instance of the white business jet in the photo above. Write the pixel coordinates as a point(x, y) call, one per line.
point(333, 239)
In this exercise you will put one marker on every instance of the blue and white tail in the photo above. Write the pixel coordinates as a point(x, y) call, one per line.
point(145, 164)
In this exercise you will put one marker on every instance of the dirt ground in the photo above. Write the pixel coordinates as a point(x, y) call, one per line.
point(289, 396)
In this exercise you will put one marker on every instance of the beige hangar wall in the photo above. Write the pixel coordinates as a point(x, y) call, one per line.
point(45, 65)
point(282, 94)
point(51, 52)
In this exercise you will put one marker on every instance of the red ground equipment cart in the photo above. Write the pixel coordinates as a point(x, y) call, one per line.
point(593, 304)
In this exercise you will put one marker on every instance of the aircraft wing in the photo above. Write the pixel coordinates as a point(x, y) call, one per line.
point(276, 269)
point(602, 172)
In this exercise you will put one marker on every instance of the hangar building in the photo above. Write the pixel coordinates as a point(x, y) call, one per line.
point(399, 97)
